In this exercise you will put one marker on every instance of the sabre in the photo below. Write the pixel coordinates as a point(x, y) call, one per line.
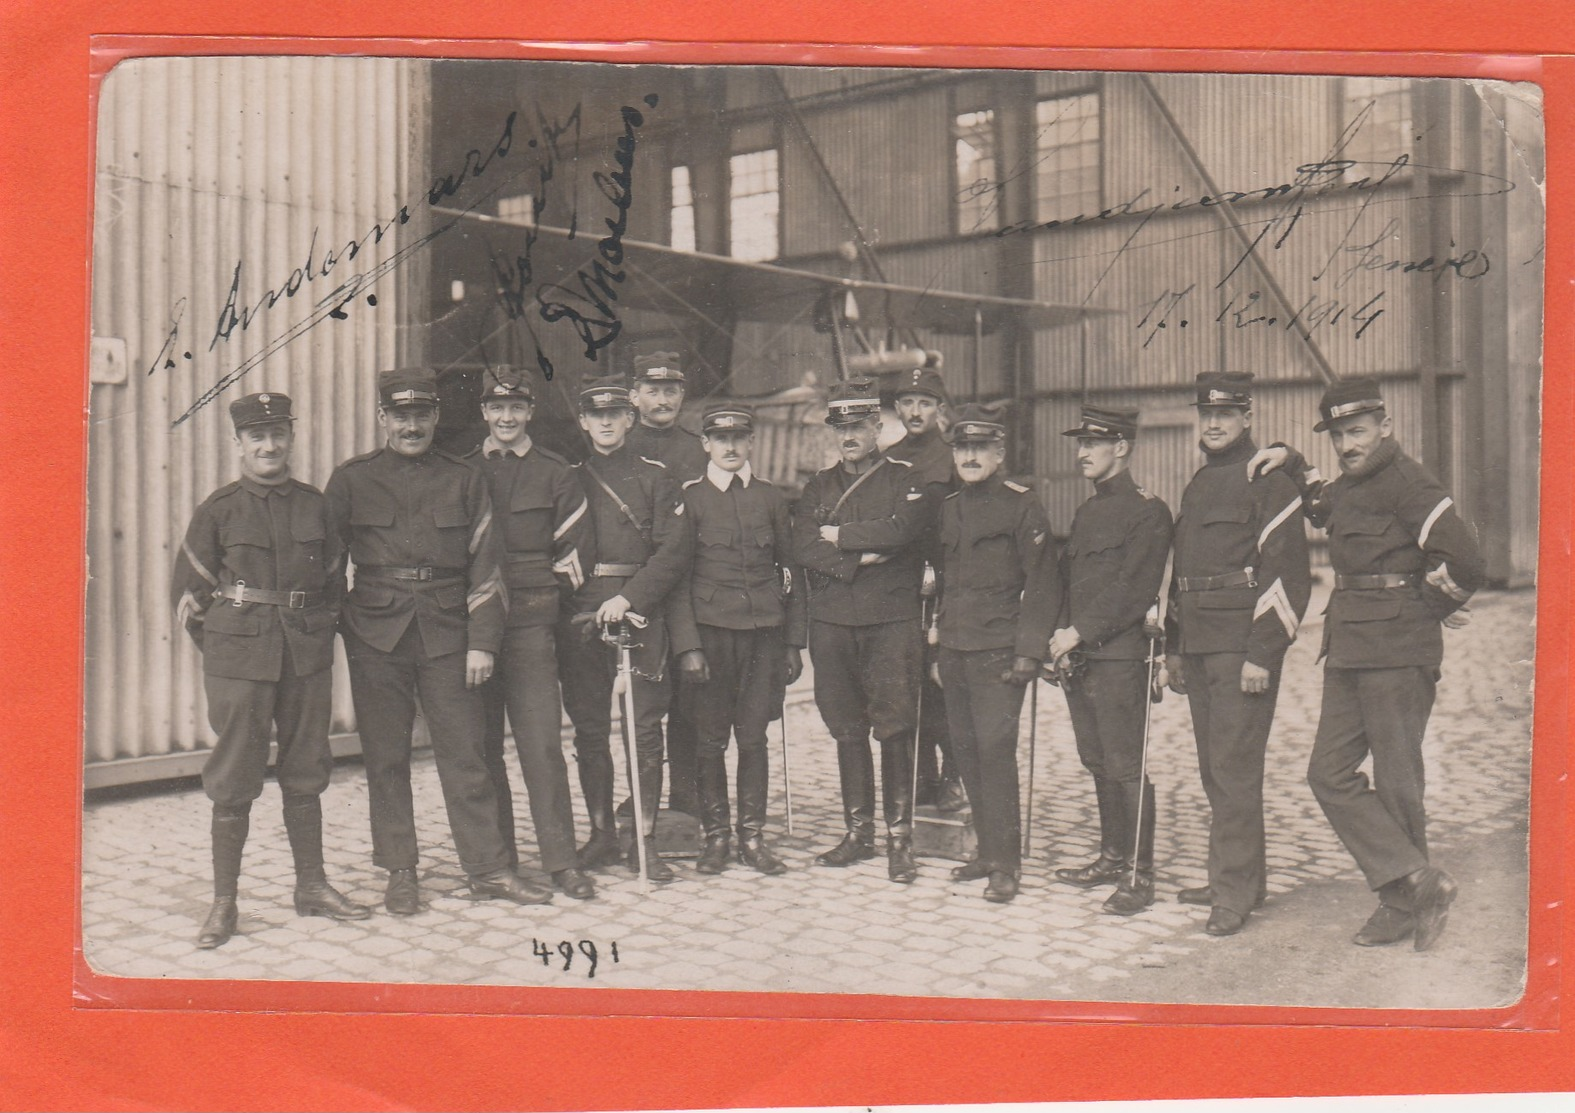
point(787, 774)
point(623, 689)
point(1154, 627)
point(927, 590)
point(1033, 731)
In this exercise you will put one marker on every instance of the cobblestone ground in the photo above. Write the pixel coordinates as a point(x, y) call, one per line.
point(146, 882)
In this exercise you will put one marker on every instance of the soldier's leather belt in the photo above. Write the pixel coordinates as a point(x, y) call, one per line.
point(1381, 579)
point(1243, 578)
point(624, 570)
point(399, 572)
point(295, 600)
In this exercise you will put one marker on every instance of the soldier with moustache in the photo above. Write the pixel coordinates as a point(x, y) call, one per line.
point(1240, 586)
point(257, 584)
point(1405, 564)
point(920, 402)
point(1112, 570)
point(858, 533)
point(644, 545)
point(542, 516)
point(1000, 594)
point(657, 392)
point(749, 613)
point(425, 616)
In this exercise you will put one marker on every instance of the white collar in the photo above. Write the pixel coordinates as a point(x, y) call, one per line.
point(490, 446)
point(721, 480)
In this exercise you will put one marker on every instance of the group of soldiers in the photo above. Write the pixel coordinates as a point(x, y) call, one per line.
point(661, 573)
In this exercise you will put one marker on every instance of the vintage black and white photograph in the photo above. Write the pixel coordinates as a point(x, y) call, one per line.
point(1013, 535)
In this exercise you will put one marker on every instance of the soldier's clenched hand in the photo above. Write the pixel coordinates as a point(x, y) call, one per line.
point(1177, 680)
point(830, 533)
point(692, 667)
point(795, 663)
point(1254, 678)
point(1022, 672)
point(478, 667)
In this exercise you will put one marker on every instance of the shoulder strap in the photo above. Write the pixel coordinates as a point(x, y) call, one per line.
point(855, 485)
point(623, 507)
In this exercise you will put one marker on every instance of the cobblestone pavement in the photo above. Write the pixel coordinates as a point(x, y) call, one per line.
point(146, 882)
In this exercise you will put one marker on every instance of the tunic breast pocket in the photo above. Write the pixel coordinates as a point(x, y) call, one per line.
point(1096, 553)
point(309, 532)
point(1360, 538)
point(715, 538)
point(530, 521)
point(244, 534)
point(992, 559)
point(1226, 514)
point(368, 513)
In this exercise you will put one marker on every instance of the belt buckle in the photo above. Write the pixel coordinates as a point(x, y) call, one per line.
point(297, 600)
point(240, 593)
point(424, 573)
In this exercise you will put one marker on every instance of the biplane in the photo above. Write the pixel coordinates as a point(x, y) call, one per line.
point(530, 281)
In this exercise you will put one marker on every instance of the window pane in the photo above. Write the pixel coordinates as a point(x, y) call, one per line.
point(1066, 157)
point(1376, 123)
point(682, 226)
point(754, 194)
point(978, 200)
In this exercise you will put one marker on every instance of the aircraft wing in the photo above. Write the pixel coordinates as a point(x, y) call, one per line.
point(713, 286)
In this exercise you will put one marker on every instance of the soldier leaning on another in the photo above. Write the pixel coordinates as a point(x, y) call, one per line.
point(749, 614)
point(1405, 563)
point(258, 583)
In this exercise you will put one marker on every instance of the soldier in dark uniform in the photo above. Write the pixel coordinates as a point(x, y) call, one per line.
point(1239, 590)
point(749, 614)
point(858, 533)
point(1000, 593)
point(426, 616)
point(1404, 562)
point(920, 402)
point(1112, 570)
point(258, 583)
point(540, 511)
point(644, 544)
point(658, 396)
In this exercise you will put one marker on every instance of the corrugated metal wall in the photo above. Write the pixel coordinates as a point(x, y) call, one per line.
point(203, 163)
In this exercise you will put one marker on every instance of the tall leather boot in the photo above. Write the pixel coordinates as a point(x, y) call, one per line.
point(230, 827)
point(711, 793)
point(1112, 860)
point(753, 777)
point(1132, 897)
point(857, 772)
point(303, 823)
point(896, 790)
point(596, 785)
point(649, 779)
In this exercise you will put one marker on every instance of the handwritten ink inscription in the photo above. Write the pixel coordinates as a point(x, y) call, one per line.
point(568, 951)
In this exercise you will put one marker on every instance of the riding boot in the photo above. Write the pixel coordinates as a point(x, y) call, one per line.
point(229, 829)
point(649, 781)
point(596, 784)
point(1112, 861)
point(303, 823)
point(857, 772)
point(1134, 895)
point(753, 778)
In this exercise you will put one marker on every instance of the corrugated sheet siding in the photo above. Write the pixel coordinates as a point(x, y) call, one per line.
point(203, 162)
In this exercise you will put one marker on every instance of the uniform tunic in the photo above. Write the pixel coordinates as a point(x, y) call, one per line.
point(656, 540)
point(744, 619)
point(1228, 527)
point(263, 663)
point(865, 642)
point(1000, 595)
point(1382, 649)
point(404, 636)
point(544, 519)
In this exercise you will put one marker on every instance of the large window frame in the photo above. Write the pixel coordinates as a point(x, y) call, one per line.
point(754, 205)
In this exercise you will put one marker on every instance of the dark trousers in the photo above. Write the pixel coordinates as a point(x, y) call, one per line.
point(1383, 712)
point(384, 687)
point(748, 672)
point(867, 680)
point(588, 668)
point(982, 713)
point(243, 713)
point(682, 740)
point(525, 683)
point(1106, 703)
point(1231, 729)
